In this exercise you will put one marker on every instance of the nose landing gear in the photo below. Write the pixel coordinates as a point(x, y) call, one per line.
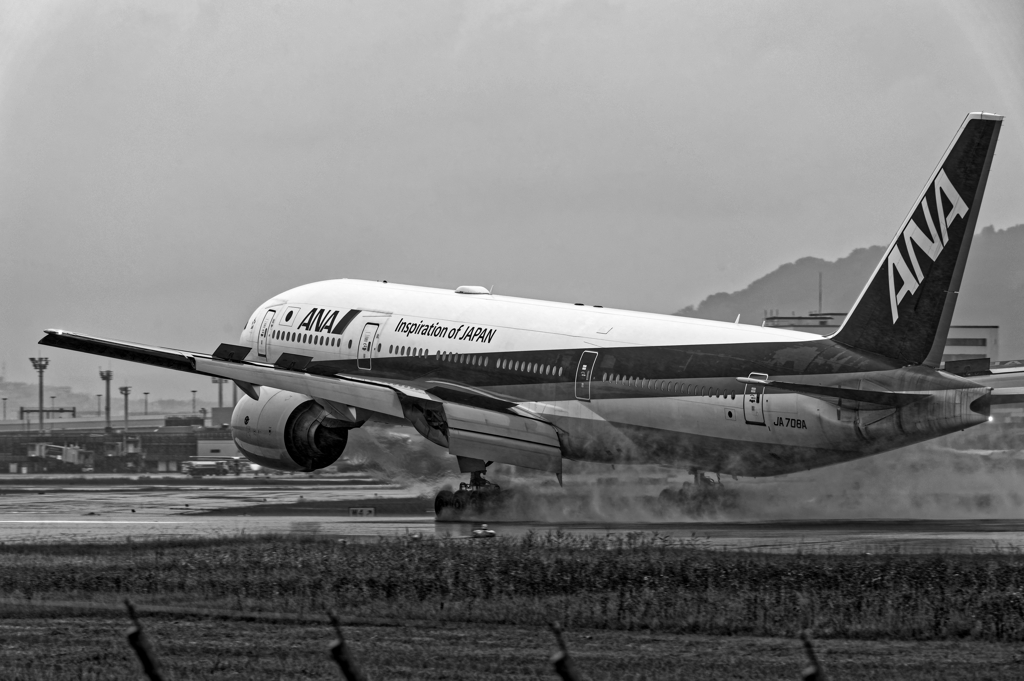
point(472, 497)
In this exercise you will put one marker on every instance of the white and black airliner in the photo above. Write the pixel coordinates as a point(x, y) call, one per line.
point(531, 383)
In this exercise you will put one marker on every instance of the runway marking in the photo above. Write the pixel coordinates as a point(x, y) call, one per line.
point(99, 522)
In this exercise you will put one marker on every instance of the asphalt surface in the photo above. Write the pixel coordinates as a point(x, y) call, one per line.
point(52, 510)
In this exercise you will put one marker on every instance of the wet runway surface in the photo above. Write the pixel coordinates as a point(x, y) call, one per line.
point(48, 511)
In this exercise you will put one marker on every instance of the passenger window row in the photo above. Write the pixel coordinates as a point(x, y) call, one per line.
point(674, 387)
point(472, 360)
point(529, 367)
point(308, 338)
point(410, 351)
point(501, 363)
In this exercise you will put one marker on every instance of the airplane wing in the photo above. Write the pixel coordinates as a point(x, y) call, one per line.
point(228, 362)
point(479, 426)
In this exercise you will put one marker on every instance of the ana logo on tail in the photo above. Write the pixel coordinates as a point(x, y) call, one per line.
point(930, 241)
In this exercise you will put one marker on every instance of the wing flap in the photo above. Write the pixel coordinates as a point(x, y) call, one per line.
point(500, 424)
point(476, 445)
point(499, 436)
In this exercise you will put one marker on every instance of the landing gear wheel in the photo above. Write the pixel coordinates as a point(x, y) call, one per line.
point(442, 501)
point(474, 497)
point(703, 497)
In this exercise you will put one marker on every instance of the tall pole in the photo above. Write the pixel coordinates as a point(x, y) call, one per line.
point(193, 401)
point(107, 376)
point(220, 389)
point(124, 436)
point(40, 364)
point(145, 409)
point(125, 390)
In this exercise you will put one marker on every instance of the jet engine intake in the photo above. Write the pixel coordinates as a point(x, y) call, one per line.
point(287, 431)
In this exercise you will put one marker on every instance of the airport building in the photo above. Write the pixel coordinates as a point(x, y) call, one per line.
point(972, 342)
point(142, 449)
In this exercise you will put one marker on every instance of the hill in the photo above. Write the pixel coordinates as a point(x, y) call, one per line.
point(992, 291)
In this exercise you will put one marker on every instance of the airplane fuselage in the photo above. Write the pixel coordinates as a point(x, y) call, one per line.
point(620, 386)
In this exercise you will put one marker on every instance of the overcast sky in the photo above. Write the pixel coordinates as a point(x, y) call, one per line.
point(167, 166)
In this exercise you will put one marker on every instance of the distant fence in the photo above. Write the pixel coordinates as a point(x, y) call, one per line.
point(350, 669)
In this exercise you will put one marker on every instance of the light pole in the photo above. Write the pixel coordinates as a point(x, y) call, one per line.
point(107, 376)
point(145, 409)
point(193, 401)
point(125, 390)
point(220, 389)
point(124, 435)
point(40, 364)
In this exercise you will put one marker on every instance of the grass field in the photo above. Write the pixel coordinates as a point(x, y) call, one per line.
point(634, 607)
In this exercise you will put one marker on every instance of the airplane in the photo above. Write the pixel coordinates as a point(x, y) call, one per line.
point(531, 383)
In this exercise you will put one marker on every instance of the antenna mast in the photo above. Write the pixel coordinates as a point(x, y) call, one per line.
point(819, 292)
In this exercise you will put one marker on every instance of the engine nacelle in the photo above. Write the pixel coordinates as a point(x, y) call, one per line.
point(287, 431)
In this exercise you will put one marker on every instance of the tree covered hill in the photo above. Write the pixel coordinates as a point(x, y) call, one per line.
point(992, 291)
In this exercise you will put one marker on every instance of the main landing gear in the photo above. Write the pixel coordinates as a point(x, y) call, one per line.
point(704, 496)
point(473, 497)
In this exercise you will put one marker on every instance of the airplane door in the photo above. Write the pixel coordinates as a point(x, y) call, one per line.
point(584, 373)
point(367, 340)
point(261, 343)
point(753, 401)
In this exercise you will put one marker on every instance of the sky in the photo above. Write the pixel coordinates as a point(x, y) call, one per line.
point(165, 167)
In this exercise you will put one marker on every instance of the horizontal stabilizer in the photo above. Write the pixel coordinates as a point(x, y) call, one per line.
point(888, 399)
point(1006, 379)
point(976, 366)
point(1006, 396)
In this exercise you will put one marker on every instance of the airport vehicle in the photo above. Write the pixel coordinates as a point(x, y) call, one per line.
point(198, 467)
point(530, 383)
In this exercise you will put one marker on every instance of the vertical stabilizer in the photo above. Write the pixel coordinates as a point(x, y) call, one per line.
point(905, 310)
